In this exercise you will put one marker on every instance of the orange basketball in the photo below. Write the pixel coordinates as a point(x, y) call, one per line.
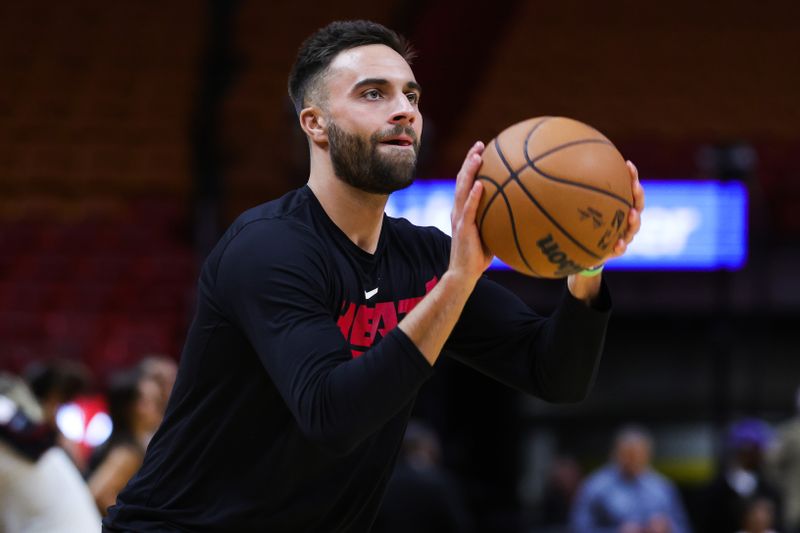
point(556, 196)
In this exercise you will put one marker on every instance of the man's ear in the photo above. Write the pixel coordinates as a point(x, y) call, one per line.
point(314, 124)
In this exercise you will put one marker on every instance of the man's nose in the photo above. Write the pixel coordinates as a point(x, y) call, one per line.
point(405, 113)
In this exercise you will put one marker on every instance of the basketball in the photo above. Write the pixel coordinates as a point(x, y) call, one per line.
point(556, 196)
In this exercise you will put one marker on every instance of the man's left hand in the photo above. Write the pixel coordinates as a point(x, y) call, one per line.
point(634, 215)
point(586, 288)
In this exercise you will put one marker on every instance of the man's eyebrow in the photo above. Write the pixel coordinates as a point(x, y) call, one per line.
point(382, 82)
point(370, 81)
point(414, 86)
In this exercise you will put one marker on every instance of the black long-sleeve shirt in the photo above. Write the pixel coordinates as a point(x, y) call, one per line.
point(295, 386)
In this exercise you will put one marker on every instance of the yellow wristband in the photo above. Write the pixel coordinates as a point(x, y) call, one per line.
point(592, 272)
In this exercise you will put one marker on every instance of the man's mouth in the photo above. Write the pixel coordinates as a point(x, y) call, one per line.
point(398, 141)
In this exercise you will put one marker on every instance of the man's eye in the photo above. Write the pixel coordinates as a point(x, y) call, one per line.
point(413, 98)
point(372, 94)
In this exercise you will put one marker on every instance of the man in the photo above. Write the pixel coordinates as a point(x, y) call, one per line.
point(627, 496)
point(319, 318)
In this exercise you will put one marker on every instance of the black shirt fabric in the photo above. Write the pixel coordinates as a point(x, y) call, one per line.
point(294, 387)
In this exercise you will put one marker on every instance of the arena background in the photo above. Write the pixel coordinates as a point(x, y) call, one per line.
point(132, 133)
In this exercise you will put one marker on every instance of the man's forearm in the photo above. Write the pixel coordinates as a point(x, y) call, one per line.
point(584, 288)
point(430, 323)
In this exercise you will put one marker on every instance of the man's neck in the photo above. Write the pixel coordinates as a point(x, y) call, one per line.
point(357, 213)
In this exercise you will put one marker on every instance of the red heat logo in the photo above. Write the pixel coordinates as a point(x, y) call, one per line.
point(363, 324)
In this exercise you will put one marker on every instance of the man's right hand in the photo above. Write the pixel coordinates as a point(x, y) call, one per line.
point(429, 324)
point(469, 257)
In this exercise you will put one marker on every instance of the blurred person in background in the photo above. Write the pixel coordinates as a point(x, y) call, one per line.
point(421, 496)
point(55, 383)
point(740, 482)
point(563, 481)
point(136, 407)
point(783, 466)
point(627, 495)
point(41, 489)
point(163, 370)
point(759, 517)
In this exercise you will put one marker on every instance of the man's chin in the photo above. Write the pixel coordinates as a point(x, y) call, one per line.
point(388, 187)
point(384, 187)
point(398, 182)
point(399, 186)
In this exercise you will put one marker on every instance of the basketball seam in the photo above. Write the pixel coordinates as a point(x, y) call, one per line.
point(499, 187)
point(532, 165)
point(553, 220)
point(513, 224)
point(511, 171)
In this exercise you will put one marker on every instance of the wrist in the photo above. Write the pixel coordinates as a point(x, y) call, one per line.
point(592, 271)
point(584, 288)
point(457, 282)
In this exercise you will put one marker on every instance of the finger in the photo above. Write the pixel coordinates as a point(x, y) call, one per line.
point(471, 205)
point(636, 187)
point(634, 225)
point(638, 195)
point(620, 248)
point(466, 174)
point(632, 169)
point(476, 148)
point(468, 160)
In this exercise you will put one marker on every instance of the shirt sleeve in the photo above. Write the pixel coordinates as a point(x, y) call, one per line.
point(554, 358)
point(587, 502)
point(274, 282)
point(679, 522)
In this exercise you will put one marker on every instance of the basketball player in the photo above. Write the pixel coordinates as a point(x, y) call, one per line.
point(319, 318)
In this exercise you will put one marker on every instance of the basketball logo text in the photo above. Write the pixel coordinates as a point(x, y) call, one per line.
point(612, 233)
point(550, 249)
point(592, 214)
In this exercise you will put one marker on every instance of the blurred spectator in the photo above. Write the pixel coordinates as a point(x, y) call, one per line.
point(420, 496)
point(41, 490)
point(783, 465)
point(741, 484)
point(562, 485)
point(55, 383)
point(135, 403)
point(163, 370)
point(627, 495)
point(759, 516)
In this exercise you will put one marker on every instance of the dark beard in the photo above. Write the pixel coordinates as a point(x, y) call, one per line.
point(360, 165)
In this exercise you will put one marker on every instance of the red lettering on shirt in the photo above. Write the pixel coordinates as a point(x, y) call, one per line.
point(362, 334)
point(386, 315)
point(363, 324)
point(346, 319)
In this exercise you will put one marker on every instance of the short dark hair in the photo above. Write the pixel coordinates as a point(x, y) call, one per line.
point(63, 377)
point(633, 432)
point(318, 51)
point(122, 394)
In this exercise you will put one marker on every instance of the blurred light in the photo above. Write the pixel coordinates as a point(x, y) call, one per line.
point(70, 420)
point(687, 225)
point(98, 430)
point(85, 421)
point(7, 409)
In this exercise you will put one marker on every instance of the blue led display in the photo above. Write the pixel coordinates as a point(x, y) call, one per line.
point(687, 225)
